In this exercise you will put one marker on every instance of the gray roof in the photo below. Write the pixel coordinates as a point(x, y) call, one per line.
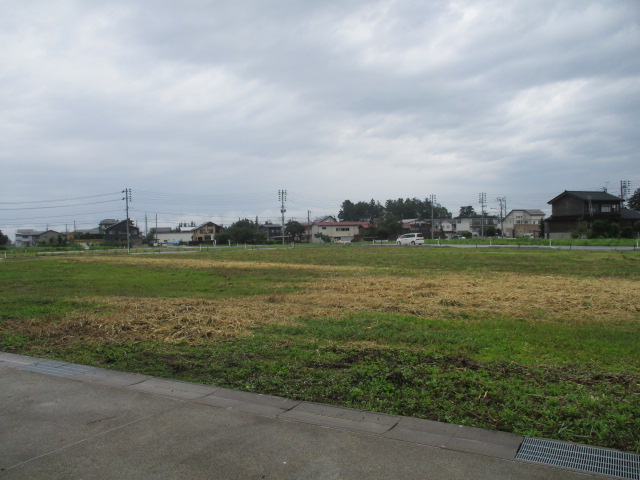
point(587, 195)
point(629, 214)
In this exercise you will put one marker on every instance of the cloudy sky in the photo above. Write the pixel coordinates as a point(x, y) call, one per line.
point(206, 109)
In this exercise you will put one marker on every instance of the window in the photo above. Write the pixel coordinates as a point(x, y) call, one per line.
point(605, 208)
point(342, 229)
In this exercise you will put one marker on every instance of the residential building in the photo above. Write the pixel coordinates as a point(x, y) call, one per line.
point(173, 237)
point(206, 232)
point(415, 225)
point(273, 231)
point(575, 211)
point(522, 223)
point(33, 238)
point(448, 227)
point(339, 231)
point(477, 224)
point(117, 233)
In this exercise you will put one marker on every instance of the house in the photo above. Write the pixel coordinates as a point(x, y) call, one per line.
point(476, 224)
point(448, 227)
point(338, 231)
point(117, 232)
point(273, 231)
point(33, 238)
point(205, 233)
point(172, 237)
point(522, 223)
point(572, 211)
point(419, 225)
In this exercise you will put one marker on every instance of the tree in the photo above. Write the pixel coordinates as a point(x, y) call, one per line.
point(323, 237)
point(389, 225)
point(580, 231)
point(491, 231)
point(295, 230)
point(245, 231)
point(467, 212)
point(347, 211)
point(3, 239)
point(634, 201)
point(604, 229)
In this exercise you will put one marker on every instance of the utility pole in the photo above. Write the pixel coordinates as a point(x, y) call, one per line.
point(127, 199)
point(145, 225)
point(503, 204)
point(482, 200)
point(282, 196)
point(433, 200)
point(625, 188)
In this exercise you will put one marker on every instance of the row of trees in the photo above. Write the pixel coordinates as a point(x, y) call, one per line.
point(401, 208)
point(247, 231)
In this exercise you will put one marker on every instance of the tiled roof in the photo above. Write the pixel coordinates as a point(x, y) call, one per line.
point(587, 195)
point(342, 224)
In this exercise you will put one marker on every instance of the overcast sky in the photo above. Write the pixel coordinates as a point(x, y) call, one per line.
point(206, 109)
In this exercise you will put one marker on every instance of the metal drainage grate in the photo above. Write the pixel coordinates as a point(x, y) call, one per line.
point(59, 369)
point(580, 457)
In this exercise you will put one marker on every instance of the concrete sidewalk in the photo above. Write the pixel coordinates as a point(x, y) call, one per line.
point(65, 421)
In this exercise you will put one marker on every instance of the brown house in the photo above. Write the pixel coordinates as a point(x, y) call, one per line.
point(206, 232)
point(572, 209)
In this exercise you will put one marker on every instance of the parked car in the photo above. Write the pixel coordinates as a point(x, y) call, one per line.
point(410, 239)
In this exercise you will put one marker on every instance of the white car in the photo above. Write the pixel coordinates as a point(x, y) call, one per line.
point(410, 239)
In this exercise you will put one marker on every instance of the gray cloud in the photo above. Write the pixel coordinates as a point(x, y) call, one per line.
point(336, 99)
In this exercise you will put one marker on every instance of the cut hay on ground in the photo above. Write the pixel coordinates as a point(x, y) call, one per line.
point(194, 320)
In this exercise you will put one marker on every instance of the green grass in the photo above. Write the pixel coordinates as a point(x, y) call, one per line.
point(565, 380)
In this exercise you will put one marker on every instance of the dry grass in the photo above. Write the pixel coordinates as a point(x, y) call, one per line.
point(214, 263)
point(193, 320)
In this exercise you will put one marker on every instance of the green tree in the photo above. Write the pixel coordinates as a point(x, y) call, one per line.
point(634, 201)
point(387, 226)
point(323, 237)
point(347, 211)
point(626, 232)
point(294, 230)
point(3, 238)
point(245, 231)
point(467, 212)
point(604, 229)
point(490, 231)
point(580, 231)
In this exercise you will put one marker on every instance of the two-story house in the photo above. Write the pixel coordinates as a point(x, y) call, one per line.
point(477, 224)
point(339, 231)
point(117, 233)
point(206, 232)
point(522, 223)
point(33, 238)
point(273, 231)
point(572, 210)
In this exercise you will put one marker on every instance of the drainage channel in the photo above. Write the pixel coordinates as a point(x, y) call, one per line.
point(580, 457)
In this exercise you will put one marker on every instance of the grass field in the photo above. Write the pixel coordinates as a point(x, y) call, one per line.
point(538, 342)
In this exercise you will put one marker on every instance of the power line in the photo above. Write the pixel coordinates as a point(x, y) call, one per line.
point(59, 206)
point(60, 200)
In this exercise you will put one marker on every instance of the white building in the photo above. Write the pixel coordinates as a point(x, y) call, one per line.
point(338, 231)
